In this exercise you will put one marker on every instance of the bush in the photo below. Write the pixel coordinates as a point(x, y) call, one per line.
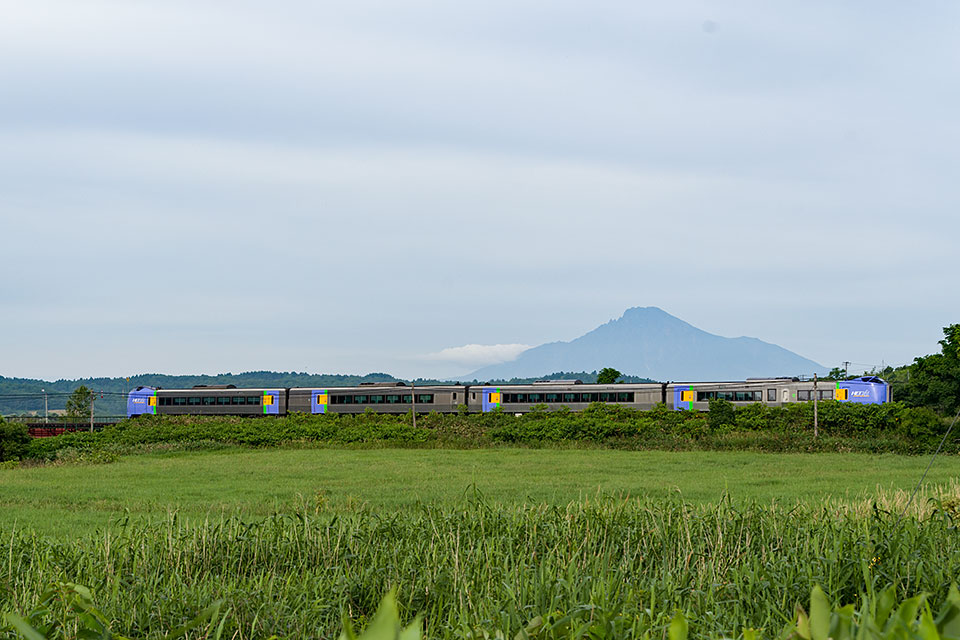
point(920, 423)
point(721, 416)
point(14, 440)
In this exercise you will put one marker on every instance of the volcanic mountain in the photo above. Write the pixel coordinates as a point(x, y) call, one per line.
point(649, 342)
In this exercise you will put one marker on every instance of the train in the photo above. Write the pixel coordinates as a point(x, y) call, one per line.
point(399, 397)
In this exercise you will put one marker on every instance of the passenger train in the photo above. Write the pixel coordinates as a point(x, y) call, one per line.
point(398, 397)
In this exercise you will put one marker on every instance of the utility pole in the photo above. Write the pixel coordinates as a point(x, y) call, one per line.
point(413, 399)
point(92, 397)
point(45, 407)
point(816, 426)
point(846, 366)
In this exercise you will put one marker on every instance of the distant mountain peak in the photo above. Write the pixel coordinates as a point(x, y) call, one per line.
point(650, 342)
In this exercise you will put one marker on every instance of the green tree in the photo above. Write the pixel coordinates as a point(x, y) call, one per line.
point(836, 374)
point(608, 375)
point(78, 404)
point(934, 381)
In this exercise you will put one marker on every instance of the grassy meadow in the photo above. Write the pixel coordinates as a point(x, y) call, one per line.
point(71, 500)
point(482, 543)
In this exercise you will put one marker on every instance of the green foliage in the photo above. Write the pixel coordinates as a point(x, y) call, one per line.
point(78, 404)
point(721, 415)
point(878, 618)
point(607, 568)
point(934, 381)
point(890, 427)
point(608, 375)
point(66, 610)
point(385, 624)
point(14, 440)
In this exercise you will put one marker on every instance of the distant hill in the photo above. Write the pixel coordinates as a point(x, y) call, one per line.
point(650, 343)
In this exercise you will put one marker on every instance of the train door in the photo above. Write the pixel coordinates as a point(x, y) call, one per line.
point(682, 398)
point(785, 395)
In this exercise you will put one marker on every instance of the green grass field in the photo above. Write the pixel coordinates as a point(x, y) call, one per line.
point(71, 500)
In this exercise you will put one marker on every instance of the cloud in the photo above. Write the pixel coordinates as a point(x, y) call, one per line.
point(479, 354)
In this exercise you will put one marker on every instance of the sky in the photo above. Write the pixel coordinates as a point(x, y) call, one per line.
point(423, 187)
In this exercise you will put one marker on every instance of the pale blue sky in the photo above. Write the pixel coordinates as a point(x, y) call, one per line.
point(193, 187)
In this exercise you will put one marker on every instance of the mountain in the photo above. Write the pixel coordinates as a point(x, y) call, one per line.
point(651, 343)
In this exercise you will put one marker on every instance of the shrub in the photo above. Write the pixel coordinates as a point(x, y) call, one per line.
point(920, 423)
point(721, 416)
point(14, 440)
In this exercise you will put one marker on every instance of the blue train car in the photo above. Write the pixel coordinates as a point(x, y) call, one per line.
point(142, 401)
point(865, 390)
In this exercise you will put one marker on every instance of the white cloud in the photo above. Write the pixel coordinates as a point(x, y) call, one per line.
point(479, 354)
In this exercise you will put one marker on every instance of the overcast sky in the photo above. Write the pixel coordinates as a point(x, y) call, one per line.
point(426, 187)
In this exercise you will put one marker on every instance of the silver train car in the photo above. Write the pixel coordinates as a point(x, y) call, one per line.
point(398, 397)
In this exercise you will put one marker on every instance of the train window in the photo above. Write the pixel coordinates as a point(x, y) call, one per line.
point(590, 397)
point(826, 395)
point(392, 399)
point(376, 399)
point(605, 397)
point(771, 395)
point(706, 396)
point(253, 399)
point(570, 397)
point(624, 396)
point(725, 395)
point(803, 395)
point(454, 395)
point(193, 400)
point(240, 400)
point(521, 397)
point(473, 395)
point(179, 401)
point(551, 397)
point(359, 399)
point(534, 398)
point(223, 400)
point(425, 398)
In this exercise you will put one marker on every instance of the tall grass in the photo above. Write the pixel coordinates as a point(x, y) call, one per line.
point(624, 564)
